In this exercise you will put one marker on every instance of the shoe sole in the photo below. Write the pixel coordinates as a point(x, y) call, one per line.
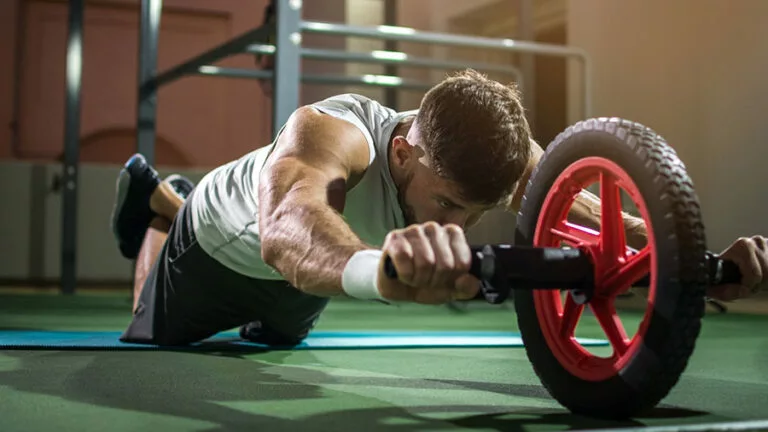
point(180, 178)
point(121, 190)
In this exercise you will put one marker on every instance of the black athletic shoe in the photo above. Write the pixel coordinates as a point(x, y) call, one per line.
point(131, 213)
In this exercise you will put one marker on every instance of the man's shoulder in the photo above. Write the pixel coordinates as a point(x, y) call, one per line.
point(354, 99)
point(363, 107)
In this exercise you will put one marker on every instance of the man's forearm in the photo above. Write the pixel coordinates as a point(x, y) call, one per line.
point(310, 244)
point(586, 212)
point(301, 197)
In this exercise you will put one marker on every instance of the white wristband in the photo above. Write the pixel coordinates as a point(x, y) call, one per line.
point(359, 279)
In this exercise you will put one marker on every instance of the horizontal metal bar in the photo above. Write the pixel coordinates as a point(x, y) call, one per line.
point(367, 80)
point(231, 47)
point(407, 34)
point(228, 72)
point(387, 57)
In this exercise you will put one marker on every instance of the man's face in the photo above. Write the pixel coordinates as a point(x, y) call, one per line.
point(426, 197)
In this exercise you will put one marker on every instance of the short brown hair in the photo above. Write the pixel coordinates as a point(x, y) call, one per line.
point(475, 134)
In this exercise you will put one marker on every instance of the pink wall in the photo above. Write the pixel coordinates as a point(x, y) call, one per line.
point(208, 120)
point(417, 15)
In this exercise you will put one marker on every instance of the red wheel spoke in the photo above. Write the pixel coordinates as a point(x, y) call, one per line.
point(613, 243)
point(571, 314)
point(636, 268)
point(575, 234)
point(606, 315)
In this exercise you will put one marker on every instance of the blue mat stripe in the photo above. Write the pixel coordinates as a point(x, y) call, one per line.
point(55, 340)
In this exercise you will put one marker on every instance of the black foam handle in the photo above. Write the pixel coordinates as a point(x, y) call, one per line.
point(475, 269)
point(389, 268)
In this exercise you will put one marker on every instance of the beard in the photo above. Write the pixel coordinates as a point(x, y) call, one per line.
point(409, 215)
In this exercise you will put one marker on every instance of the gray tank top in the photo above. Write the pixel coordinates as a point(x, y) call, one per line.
point(225, 208)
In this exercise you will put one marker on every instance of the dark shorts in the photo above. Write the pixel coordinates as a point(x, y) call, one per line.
point(189, 296)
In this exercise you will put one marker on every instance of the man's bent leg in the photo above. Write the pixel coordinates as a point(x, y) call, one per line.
point(152, 259)
point(149, 254)
point(181, 297)
point(166, 200)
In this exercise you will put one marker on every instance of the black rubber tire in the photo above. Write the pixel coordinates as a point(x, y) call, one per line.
point(681, 251)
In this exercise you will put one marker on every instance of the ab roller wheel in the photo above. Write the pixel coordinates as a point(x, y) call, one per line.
point(618, 156)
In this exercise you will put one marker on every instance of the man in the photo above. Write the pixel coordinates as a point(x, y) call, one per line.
point(265, 241)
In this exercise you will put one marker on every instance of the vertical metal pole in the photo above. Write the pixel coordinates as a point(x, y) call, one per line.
point(21, 34)
point(390, 18)
point(147, 99)
point(526, 31)
point(287, 71)
point(71, 148)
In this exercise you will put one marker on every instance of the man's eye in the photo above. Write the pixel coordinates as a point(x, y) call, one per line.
point(444, 204)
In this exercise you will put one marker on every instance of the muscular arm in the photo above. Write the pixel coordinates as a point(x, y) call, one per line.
point(585, 210)
point(301, 195)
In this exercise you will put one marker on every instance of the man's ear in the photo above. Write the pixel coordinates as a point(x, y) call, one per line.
point(402, 152)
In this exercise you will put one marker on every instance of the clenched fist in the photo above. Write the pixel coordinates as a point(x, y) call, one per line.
point(432, 263)
point(751, 255)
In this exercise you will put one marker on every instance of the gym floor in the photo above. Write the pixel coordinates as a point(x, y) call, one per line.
point(363, 390)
